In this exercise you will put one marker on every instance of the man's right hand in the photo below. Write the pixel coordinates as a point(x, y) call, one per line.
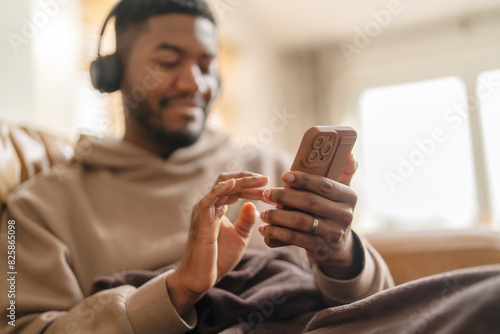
point(215, 245)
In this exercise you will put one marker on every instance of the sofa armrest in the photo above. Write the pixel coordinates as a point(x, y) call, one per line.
point(411, 255)
point(26, 152)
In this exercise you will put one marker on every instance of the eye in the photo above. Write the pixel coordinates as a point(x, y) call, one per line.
point(169, 64)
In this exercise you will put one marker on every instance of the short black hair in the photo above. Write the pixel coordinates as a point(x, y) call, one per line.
point(135, 13)
point(132, 15)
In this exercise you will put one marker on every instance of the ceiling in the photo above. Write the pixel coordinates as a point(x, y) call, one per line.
point(294, 23)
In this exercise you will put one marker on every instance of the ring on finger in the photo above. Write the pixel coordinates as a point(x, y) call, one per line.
point(315, 225)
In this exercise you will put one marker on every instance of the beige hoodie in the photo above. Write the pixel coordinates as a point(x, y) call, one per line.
point(120, 207)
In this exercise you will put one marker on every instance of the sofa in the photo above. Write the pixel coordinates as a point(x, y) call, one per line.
point(24, 152)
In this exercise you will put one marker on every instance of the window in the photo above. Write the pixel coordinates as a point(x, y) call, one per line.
point(418, 161)
point(488, 92)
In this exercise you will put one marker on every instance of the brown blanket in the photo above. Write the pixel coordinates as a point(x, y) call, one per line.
point(269, 292)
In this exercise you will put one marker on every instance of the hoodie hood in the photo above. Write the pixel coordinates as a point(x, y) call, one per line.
point(122, 156)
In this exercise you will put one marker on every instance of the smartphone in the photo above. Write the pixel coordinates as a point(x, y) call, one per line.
point(324, 151)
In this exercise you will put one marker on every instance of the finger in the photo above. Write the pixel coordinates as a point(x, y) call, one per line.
point(244, 188)
point(249, 182)
point(288, 236)
point(300, 221)
point(227, 176)
point(295, 220)
point(248, 194)
point(204, 226)
point(320, 185)
point(222, 200)
point(218, 190)
point(221, 211)
point(246, 220)
point(236, 198)
point(349, 170)
point(275, 243)
point(251, 194)
point(309, 202)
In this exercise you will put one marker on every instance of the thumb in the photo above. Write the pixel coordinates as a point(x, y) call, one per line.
point(246, 220)
point(349, 169)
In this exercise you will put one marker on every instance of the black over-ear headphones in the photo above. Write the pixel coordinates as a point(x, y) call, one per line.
point(106, 71)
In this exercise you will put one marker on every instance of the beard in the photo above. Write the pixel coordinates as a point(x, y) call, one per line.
point(152, 125)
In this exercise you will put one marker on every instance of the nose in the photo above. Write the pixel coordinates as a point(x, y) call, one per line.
point(191, 80)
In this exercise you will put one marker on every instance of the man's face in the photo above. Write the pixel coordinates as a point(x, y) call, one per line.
point(171, 78)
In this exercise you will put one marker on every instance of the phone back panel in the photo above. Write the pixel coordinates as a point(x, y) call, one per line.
point(324, 151)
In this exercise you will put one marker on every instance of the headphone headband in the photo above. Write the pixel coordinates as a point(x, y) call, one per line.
point(106, 71)
point(109, 17)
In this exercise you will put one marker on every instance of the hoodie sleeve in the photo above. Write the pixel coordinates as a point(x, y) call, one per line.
point(47, 298)
point(374, 277)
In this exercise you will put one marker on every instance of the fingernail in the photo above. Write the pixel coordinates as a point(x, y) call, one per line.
point(263, 216)
point(267, 193)
point(261, 230)
point(288, 177)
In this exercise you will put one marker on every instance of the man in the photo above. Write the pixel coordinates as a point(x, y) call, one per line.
point(122, 205)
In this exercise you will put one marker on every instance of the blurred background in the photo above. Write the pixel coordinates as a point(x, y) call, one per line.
point(418, 80)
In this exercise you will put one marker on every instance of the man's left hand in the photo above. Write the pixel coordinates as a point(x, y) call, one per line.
point(319, 220)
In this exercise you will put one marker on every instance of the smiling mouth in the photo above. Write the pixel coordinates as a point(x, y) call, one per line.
point(188, 107)
point(186, 101)
point(190, 112)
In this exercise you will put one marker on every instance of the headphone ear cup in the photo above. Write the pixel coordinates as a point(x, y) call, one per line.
point(106, 73)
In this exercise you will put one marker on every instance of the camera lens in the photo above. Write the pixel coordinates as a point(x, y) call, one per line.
point(326, 149)
point(313, 156)
point(319, 141)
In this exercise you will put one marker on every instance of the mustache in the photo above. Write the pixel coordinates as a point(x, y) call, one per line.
point(196, 99)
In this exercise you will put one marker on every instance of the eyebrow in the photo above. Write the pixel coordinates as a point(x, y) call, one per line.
point(177, 49)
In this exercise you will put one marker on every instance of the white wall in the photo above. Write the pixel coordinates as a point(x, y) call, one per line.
point(56, 57)
point(38, 73)
point(454, 48)
point(16, 86)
